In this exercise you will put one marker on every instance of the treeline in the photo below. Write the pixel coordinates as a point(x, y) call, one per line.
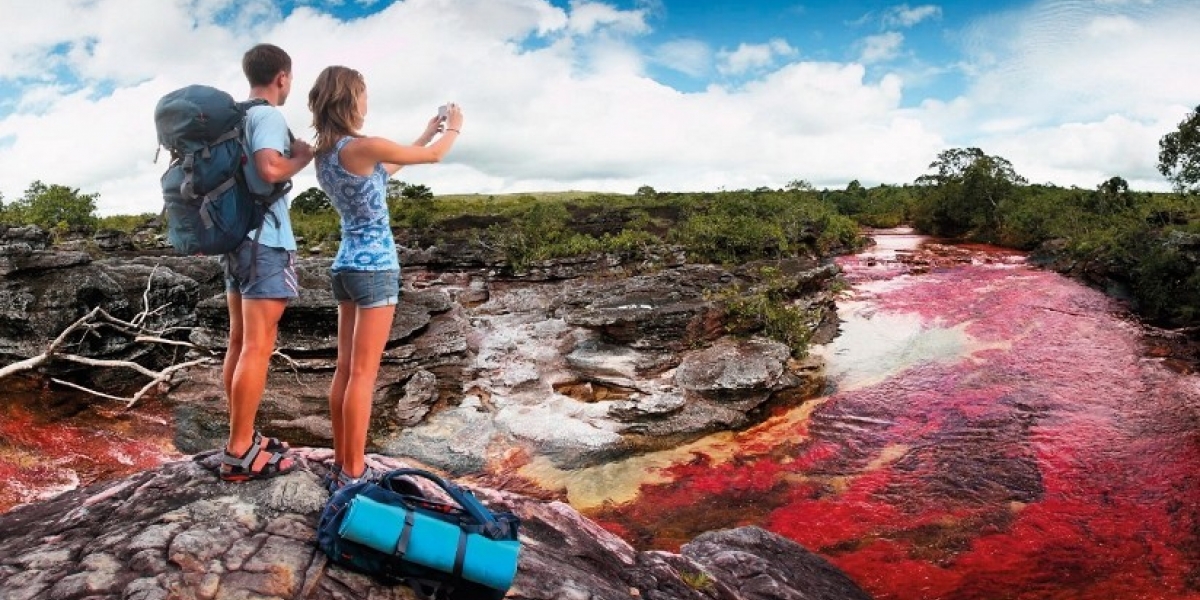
point(731, 227)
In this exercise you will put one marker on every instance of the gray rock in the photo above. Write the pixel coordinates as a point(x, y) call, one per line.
point(733, 368)
point(420, 393)
point(20, 258)
point(178, 532)
point(759, 565)
point(31, 235)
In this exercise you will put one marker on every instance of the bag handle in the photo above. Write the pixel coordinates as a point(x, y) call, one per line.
point(492, 528)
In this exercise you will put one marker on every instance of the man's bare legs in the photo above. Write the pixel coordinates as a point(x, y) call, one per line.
point(362, 335)
point(253, 327)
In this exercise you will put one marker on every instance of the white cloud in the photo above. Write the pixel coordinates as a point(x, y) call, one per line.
point(882, 47)
point(1108, 27)
point(692, 57)
point(1070, 92)
point(1085, 154)
point(587, 17)
point(906, 16)
point(752, 57)
point(1074, 70)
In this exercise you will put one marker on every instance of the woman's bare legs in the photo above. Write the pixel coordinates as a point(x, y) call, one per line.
point(362, 335)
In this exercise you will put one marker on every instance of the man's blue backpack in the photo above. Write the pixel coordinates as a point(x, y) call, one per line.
point(446, 551)
point(208, 204)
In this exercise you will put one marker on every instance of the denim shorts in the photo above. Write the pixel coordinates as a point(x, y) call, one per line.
point(367, 289)
point(257, 271)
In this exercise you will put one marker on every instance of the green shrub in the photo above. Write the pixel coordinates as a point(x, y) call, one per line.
point(54, 207)
point(743, 226)
point(697, 580)
point(767, 307)
point(316, 227)
point(125, 223)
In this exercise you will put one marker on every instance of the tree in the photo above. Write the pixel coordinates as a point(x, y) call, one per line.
point(68, 345)
point(51, 206)
point(395, 191)
point(1111, 197)
point(645, 191)
point(312, 200)
point(417, 192)
point(1179, 154)
point(410, 204)
point(799, 185)
point(964, 193)
point(1114, 186)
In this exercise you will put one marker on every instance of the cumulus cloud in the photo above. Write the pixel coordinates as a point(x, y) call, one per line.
point(587, 17)
point(559, 98)
point(882, 47)
point(752, 57)
point(905, 16)
point(692, 57)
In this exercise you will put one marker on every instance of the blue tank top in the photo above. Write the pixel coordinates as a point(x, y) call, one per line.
point(367, 243)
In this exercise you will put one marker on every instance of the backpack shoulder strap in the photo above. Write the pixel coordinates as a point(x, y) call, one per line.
point(246, 105)
point(281, 189)
point(251, 103)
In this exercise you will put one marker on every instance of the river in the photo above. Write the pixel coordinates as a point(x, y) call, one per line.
point(992, 430)
point(55, 441)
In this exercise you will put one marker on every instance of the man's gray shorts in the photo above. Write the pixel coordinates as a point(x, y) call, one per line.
point(257, 271)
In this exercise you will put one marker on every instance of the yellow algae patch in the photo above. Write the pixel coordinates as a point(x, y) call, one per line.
point(887, 456)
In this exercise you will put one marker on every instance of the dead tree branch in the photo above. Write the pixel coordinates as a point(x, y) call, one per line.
point(135, 328)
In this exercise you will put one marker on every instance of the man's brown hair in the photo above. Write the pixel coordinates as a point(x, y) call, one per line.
point(263, 62)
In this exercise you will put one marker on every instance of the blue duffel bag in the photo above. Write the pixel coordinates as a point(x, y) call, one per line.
point(445, 551)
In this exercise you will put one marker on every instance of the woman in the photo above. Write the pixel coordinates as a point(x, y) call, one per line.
point(353, 169)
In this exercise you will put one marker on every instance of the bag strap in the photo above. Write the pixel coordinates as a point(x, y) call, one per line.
point(464, 498)
point(280, 189)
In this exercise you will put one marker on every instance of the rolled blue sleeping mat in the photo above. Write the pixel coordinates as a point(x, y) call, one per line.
point(432, 542)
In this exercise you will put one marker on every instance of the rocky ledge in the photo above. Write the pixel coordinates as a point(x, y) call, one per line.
point(178, 532)
point(578, 362)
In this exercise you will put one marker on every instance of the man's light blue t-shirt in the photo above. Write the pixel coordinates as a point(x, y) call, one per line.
point(267, 129)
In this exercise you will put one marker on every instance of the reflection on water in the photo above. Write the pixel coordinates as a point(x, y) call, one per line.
point(994, 432)
point(872, 346)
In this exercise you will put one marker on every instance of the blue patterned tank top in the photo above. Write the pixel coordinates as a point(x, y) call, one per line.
point(367, 243)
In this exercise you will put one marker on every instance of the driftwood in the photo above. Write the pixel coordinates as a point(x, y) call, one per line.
point(98, 319)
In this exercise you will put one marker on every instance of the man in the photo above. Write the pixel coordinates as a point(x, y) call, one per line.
point(260, 274)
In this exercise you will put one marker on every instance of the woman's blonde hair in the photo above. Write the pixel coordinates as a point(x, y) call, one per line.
point(333, 101)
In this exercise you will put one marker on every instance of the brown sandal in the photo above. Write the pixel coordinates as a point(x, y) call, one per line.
point(241, 468)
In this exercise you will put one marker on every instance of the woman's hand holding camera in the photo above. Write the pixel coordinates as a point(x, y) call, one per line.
point(451, 117)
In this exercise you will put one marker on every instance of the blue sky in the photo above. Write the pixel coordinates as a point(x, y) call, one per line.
point(609, 95)
point(816, 30)
point(819, 31)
